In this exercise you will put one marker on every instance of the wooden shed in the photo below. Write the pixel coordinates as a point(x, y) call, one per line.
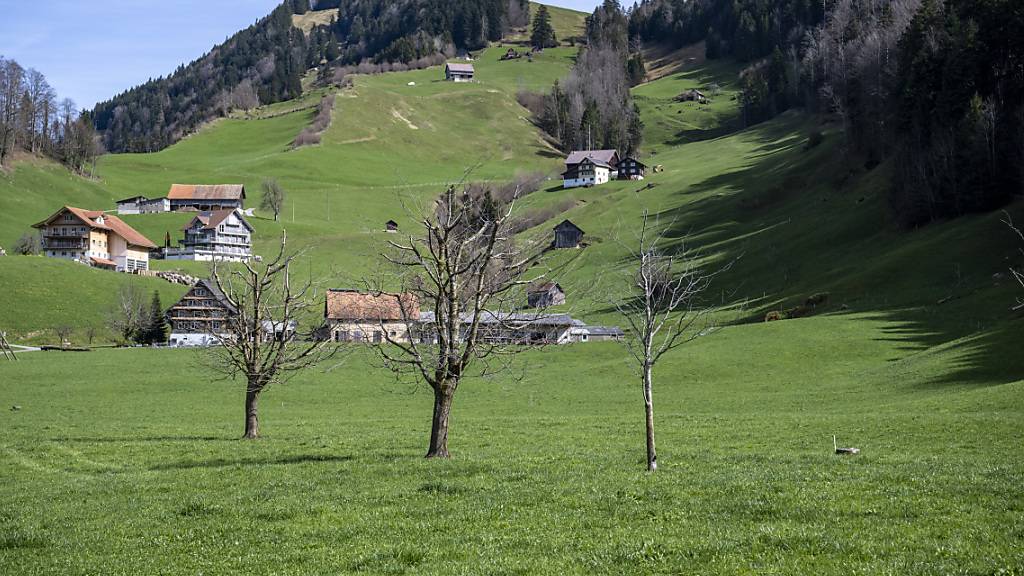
point(568, 235)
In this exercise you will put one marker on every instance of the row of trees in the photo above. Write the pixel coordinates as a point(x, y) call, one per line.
point(464, 267)
point(133, 321)
point(32, 119)
point(593, 107)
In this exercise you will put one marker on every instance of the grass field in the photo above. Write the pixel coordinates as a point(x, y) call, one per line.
point(126, 461)
point(138, 470)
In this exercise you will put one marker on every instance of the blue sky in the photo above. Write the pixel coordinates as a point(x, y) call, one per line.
point(90, 51)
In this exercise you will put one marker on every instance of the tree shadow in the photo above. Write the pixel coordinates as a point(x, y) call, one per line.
point(140, 440)
point(245, 462)
point(790, 232)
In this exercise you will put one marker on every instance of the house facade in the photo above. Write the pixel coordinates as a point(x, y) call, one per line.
point(590, 168)
point(567, 235)
point(205, 198)
point(224, 235)
point(454, 72)
point(354, 316)
point(95, 238)
point(544, 295)
point(200, 318)
point(632, 169)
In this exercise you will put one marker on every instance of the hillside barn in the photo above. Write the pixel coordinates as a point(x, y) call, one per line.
point(568, 235)
point(632, 169)
point(354, 316)
point(206, 198)
point(454, 72)
point(544, 295)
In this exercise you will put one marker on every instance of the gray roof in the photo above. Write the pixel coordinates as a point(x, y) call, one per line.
point(604, 330)
point(535, 319)
point(604, 156)
point(463, 68)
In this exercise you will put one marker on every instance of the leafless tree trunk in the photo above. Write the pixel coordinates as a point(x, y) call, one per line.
point(126, 316)
point(258, 297)
point(1017, 273)
point(468, 274)
point(661, 309)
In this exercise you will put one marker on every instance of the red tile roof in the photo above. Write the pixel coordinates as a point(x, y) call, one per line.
point(206, 192)
point(371, 307)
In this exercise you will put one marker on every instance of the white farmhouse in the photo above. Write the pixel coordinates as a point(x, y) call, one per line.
point(590, 168)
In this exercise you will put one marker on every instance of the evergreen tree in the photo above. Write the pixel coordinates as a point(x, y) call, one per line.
point(543, 34)
point(155, 330)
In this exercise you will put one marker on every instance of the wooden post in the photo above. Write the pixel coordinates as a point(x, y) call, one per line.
point(5, 347)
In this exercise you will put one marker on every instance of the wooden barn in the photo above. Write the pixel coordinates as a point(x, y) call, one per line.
point(454, 72)
point(568, 235)
point(544, 295)
point(391, 226)
point(632, 169)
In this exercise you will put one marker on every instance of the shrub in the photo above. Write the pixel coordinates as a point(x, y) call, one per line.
point(27, 245)
point(774, 316)
point(817, 299)
point(814, 139)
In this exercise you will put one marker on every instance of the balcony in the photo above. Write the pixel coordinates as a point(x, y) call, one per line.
point(65, 243)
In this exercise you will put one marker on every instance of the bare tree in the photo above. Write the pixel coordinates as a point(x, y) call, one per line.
point(1018, 274)
point(661, 309)
point(467, 273)
point(260, 298)
point(64, 334)
point(273, 197)
point(90, 334)
point(127, 314)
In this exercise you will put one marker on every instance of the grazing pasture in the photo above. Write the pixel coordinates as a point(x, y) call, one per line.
point(129, 462)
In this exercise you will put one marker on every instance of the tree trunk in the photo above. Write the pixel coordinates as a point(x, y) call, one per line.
point(652, 456)
point(252, 421)
point(439, 426)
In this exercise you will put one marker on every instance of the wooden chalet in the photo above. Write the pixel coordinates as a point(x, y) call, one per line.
point(391, 226)
point(590, 168)
point(200, 318)
point(632, 169)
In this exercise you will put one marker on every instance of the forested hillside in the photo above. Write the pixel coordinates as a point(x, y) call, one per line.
point(939, 86)
point(265, 63)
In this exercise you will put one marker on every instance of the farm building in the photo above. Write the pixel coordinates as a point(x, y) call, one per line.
point(568, 235)
point(632, 169)
point(95, 238)
point(200, 317)
point(143, 205)
point(354, 316)
point(391, 226)
point(513, 328)
point(224, 235)
point(544, 295)
point(590, 168)
point(200, 197)
point(454, 72)
point(692, 96)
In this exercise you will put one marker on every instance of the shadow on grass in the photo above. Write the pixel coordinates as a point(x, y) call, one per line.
point(245, 462)
point(142, 439)
point(776, 214)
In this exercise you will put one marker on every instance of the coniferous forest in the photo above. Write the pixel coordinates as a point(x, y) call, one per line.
point(265, 63)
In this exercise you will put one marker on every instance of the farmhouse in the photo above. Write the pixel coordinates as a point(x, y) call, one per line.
point(567, 235)
point(590, 168)
point(544, 295)
point(354, 316)
point(454, 72)
point(632, 169)
point(200, 317)
point(94, 238)
point(224, 235)
point(143, 205)
point(184, 197)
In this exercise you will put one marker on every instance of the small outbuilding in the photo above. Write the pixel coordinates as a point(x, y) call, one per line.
point(391, 226)
point(545, 294)
point(568, 235)
point(454, 72)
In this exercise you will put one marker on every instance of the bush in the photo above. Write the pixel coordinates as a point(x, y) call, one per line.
point(814, 139)
point(817, 299)
point(27, 245)
point(774, 316)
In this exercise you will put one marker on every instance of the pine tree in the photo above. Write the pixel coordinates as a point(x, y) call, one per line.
point(155, 331)
point(543, 35)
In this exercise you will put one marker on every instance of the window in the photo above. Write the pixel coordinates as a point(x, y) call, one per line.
point(68, 217)
point(377, 336)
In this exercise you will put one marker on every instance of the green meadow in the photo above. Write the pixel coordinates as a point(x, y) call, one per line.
point(126, 461)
